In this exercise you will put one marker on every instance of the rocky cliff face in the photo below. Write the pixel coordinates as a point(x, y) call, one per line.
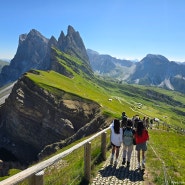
point(34, 52)
point(30, 54)
point(33, 118)
point(73, 44)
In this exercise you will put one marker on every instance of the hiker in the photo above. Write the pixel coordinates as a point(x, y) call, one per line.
point(147, 122)
point(135, 120)
point(116, 139)
point(141, 137)
point(144, 121)
point(128, 136)
point(123, 120)
point(151, 123)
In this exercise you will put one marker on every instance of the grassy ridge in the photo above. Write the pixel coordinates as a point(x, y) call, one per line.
point(169, 146)
point(57, 83)
point(124, 97)
point(170, 150)
point(168, 106)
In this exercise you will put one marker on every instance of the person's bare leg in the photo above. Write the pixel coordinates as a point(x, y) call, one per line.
point(117, 155)
point(138, 158)
point(143, 159)
point(112, 155)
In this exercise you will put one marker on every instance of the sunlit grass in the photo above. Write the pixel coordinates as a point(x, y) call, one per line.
point(170, 149)
point(168, 146)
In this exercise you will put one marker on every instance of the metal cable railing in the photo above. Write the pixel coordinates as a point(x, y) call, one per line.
point(163, 164)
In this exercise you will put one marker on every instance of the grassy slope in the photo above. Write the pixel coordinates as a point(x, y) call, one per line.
point(124, 98)
point(166, 155)
point(169, 146)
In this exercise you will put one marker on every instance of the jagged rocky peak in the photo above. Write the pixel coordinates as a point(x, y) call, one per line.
point(61, 40)
point(73, 44)
point(34, 52)
point(32, 35)
point(71, 30)
point(31, 51)
point(74, 36)
point(31, 54)
point(36, 34)
point(52, 42)
point(152, 58)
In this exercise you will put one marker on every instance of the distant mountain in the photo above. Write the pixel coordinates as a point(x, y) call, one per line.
point(3, 63)
point(153, 70)
point(109, 66)
point(38, 52)
point(156, 70)
point(35, 52)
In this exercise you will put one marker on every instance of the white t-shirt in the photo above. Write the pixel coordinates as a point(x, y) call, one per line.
point(116, 139)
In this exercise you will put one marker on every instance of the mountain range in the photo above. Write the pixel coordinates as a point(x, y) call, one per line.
point(152, 70)
point(35, 52)
point(61, 102)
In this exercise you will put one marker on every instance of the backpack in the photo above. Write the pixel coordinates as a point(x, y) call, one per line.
point(128, 137)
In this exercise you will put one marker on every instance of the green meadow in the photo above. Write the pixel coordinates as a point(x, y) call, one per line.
point(166, 148)
point(166, 105)
point(166, 154)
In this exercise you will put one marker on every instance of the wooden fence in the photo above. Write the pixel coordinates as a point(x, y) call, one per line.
point(35, 174)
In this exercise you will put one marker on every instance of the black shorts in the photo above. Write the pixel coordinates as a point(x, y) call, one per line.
point(115, 145)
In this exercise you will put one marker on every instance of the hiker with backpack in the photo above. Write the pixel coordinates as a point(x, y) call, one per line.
point(128, 137)
point(141, 137)
point(116, 140)
point(135, 120)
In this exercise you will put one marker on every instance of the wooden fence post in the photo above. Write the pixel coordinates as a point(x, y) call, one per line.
point(103, 145)
point(37, 179)
point(87, 161)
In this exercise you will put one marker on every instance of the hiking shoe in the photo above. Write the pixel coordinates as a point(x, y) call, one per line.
point(111, 161)
point(123, 162)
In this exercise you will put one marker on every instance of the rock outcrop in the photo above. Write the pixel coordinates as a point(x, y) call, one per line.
point(33, 118)
point(72, 44)
point(31, 52)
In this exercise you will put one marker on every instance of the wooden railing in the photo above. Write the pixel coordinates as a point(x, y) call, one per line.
point(35, 174)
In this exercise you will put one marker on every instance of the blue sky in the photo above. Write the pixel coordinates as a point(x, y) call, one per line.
point(125, 29)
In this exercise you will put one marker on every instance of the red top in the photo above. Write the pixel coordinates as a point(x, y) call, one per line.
point(143, 138)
